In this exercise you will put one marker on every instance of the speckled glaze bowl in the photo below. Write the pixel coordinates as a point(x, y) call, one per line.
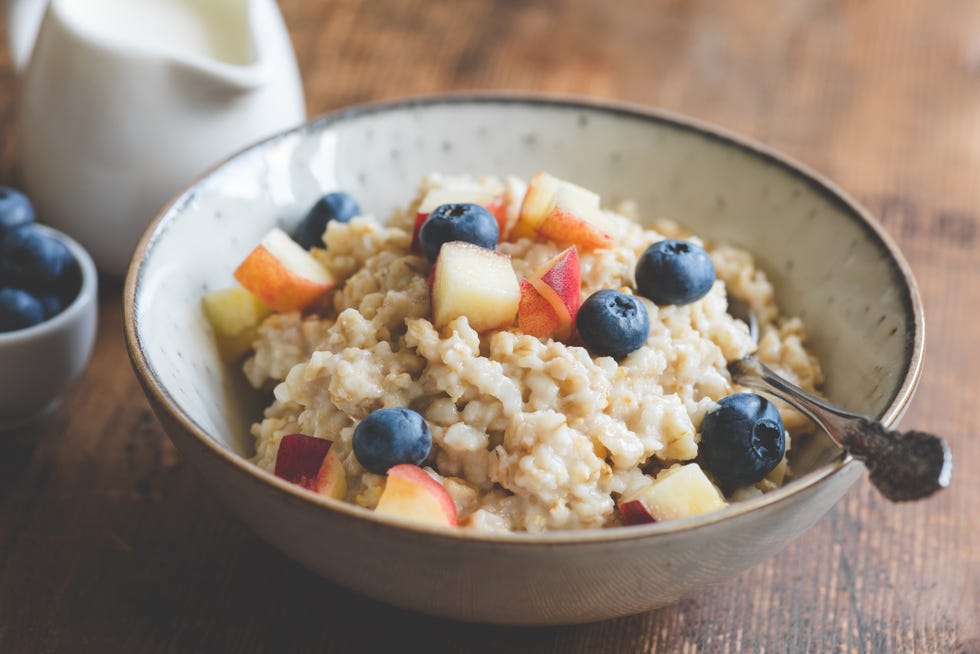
point(831, 263)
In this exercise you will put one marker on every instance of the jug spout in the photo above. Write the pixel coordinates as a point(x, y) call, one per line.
point(23, 22)
point(222, 41)
point(218, 42)
point(222, 77)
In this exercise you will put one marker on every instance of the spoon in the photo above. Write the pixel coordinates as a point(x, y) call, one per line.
point(903, 466)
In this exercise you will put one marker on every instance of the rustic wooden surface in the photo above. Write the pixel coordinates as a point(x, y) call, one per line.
point(109, 542)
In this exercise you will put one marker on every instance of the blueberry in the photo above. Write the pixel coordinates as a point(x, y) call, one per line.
point(15, 210)
point(387, 437)
point(674, 272)
point(18, 309)
point(51, 304)
point(612, 324)
point(458, 222)
point(37, 262)
point(742, 440)
point(337, 206)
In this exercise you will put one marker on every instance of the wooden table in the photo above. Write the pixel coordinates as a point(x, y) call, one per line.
point(109, 542)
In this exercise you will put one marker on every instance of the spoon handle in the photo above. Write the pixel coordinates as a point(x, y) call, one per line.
point(902, 465)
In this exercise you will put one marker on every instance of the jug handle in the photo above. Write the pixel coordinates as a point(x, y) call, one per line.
point(23, 22)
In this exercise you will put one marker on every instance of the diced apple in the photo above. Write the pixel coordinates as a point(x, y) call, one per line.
point(474, 282)
point(677, 492)
point(492, 202)
point(540, 199)
point(412, 494)
point(559, 280)
point(284, 275)
point(551, 298)
point(311, 462)
point(437, 197)
point(234, 314)
point(634, 513)
point(535, 314)
point(419, 221)
point(498, 207)
point(575, 220)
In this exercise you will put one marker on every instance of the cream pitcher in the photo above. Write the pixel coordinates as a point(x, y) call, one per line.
point(123, 102)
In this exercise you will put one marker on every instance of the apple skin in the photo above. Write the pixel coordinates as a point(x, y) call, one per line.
point(560, 282)
point(634, 513)
point(311, 462)
point(283, 275)
point(568, 223)
point(550, 300)
point(419, 221)
point(412, 494)
point(498, 207)
point(536, 316)
point(547, 194)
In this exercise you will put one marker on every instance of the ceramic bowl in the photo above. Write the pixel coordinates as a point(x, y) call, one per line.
point(38, 363)
point(831, 263)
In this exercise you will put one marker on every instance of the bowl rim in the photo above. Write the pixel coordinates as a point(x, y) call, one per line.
point(87, 291)
point(163, 401)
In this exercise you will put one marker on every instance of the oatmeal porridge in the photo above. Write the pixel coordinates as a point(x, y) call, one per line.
point(528, 381)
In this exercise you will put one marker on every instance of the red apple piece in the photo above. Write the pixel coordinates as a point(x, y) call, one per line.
point(575, 221)
point(498, 207)
point(312, 463)
point(633, 512)
point(559, 280)
point(284, 275)
point(538, 201)
point(419, 221)
point(677, 492)
point(535, 314)
point(412, 494)
point(474, 282)
point(543, 193)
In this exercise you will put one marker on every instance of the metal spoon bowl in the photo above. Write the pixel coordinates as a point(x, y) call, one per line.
point(903, 466)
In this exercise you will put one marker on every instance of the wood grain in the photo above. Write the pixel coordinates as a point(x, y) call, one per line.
point(110, 542)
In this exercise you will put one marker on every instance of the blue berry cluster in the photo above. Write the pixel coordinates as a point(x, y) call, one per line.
point(38, 275)
point(615, 324)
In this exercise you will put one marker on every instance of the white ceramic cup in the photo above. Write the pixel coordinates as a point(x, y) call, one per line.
point(38, 364)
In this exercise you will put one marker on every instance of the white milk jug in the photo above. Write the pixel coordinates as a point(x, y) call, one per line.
point(123, 102)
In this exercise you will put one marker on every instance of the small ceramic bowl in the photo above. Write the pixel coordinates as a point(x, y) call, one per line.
point(38, 363)
point(830, 262)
